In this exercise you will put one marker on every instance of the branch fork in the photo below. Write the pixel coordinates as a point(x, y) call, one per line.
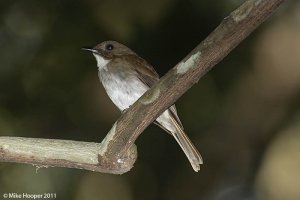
point(117, 153)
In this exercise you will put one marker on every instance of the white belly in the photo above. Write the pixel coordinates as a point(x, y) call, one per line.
point(126, 88)
point(123, 91)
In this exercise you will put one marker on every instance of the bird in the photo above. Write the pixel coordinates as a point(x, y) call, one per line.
point(125, 77)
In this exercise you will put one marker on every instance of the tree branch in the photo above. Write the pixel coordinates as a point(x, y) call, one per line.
point(62, 153)
point(117, 152)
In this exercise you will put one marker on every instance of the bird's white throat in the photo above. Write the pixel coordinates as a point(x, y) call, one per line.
point(101, 62)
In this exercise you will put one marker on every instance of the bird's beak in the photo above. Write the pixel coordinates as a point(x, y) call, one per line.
point(89, 49)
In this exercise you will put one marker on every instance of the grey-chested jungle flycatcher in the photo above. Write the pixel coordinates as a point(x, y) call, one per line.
point(126, 77)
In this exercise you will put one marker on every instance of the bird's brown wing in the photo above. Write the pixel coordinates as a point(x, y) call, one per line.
point(148, 76)
point(145, 72)
point(174, 114)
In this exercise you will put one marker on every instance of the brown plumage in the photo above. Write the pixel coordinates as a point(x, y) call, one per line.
point(126, 77)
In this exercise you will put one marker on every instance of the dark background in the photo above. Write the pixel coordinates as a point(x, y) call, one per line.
point(243, 116)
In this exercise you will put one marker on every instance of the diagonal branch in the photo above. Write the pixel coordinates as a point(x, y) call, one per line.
point(117, 152)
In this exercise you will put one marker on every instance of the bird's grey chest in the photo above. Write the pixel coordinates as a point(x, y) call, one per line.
point(123, 88)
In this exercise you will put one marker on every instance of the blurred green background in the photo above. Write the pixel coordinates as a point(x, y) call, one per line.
point(243, 116)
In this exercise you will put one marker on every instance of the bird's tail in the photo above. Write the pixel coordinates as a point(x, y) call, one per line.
point(186, 145)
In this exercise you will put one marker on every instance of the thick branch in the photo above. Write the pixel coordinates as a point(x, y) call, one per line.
point(116, 153)
point(232, 30)
point(62, 153)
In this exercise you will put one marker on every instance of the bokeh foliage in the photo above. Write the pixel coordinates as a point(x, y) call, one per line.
point(243, 116)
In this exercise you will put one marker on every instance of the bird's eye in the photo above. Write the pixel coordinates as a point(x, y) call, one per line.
point(109, 47)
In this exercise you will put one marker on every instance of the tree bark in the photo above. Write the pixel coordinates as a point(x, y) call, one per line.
point(117, 152)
